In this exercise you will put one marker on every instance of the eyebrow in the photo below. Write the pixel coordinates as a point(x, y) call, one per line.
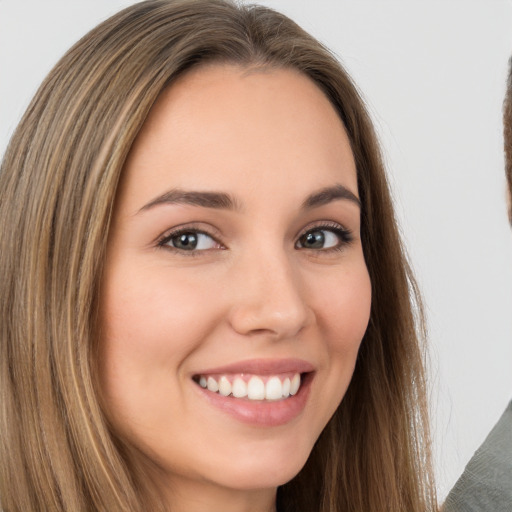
point(217, 200)
point(223, 201)
point(328, 195)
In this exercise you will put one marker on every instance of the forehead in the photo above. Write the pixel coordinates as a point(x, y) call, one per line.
point(225, 126)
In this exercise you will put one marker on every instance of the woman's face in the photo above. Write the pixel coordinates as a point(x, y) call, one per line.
point(235, 293)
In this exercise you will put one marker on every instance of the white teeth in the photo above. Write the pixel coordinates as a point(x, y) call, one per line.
point(295, 384)
point(255, 389)
point(239, 389)
point(286, 388)
point(273, 389)
point(212, 384)
point(224, 386)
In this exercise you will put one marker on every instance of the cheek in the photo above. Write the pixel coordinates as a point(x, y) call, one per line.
point(153, 314)
point(150, 324)
point(344, 311)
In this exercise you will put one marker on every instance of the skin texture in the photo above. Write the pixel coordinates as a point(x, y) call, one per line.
point(268, 138)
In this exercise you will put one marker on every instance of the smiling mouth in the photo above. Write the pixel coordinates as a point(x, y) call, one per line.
point(252, 387)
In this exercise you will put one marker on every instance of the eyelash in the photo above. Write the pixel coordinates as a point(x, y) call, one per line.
point(344, 235)
point(191, 229)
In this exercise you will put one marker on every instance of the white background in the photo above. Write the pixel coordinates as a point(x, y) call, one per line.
point(433, 74)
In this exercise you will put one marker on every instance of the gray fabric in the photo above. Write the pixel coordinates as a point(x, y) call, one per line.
point(486, 484)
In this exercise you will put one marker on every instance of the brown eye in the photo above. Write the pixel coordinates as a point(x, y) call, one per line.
point(324, 238)
point(190, 241)
point(313, 240)
point(185, 241)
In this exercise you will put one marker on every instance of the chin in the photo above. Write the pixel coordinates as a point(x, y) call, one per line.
point(265, 469)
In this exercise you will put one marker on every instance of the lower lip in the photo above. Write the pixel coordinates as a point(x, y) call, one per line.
point(262, 413)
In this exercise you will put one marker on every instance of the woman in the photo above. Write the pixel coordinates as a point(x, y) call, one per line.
point(205, 303)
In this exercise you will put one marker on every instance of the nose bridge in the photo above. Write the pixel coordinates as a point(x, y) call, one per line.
point(270, 295)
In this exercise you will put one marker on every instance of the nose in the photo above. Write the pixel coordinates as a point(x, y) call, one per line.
point(270, 298)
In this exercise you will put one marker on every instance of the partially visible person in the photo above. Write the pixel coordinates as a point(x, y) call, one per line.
point(486, 484)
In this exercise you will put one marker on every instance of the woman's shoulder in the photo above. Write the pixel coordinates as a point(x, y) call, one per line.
point(486, 484)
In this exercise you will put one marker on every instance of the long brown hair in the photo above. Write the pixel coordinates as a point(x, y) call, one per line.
point(58, 183)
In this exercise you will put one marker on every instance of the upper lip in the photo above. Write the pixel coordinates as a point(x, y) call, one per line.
point(262, 367)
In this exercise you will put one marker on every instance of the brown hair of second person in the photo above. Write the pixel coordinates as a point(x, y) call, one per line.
point(507, 133)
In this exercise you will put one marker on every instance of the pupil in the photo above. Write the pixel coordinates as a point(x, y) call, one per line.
point(187, 241)
point(315, 239)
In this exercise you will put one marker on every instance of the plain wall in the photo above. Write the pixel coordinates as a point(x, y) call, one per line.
point(433, 74)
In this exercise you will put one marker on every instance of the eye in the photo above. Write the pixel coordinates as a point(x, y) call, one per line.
point(324, 238)
point(190, 240)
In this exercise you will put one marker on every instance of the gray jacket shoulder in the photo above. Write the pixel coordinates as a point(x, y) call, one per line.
point(486, 484)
